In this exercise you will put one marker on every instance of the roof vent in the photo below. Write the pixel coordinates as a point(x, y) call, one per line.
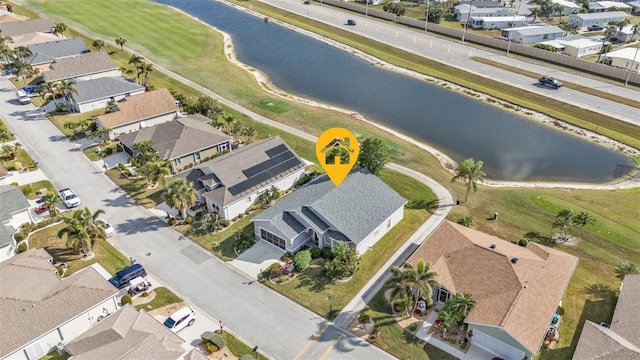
point(514, 260)
point(493, 246)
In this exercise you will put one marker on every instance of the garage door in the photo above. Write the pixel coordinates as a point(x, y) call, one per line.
point(495, 346)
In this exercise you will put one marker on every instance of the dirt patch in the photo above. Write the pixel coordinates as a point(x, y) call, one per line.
point(167, 310)
point(139, 300)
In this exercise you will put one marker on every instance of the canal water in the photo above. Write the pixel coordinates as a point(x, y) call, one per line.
point(511, 146)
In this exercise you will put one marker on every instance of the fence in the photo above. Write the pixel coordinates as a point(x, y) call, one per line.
point(549, 56)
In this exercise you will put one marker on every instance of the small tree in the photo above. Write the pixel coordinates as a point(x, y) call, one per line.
point(373, 155)
point(344, 263)
point(99, 44)
point(301, 260)
point(466, 220)
point(626, 268)
point(562, 222)
point(436, 13)
point(121, 41)
point(470, 171)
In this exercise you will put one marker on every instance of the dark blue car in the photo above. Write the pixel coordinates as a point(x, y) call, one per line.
point(30, 89)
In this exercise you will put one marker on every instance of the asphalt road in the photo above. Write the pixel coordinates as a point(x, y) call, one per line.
point(456, 54)
point(280, 327)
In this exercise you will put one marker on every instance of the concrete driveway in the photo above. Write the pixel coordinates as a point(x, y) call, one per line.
point(253, 261)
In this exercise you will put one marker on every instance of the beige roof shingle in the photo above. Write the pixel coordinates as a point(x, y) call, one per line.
point(140, 107)
point(11, 29)
point(520, 297)
point(127, 334)
point(34, 300)
point(81, 65)
point(11, 17)
point(30, 39)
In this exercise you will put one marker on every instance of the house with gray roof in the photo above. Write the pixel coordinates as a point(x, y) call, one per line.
point(184, 142)
point(359, 212)
point(229, 184)
point(127, 334)
point(42, 311)
point(96, 93)
point(14, 28)
point(621, 339)
point(14, 211)
point(528, 35)
point(82, 67)
point(583, 21)
point(44, 54)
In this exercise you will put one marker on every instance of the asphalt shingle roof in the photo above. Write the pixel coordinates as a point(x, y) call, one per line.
point(47, 52)
point(27, 26)
point(140, 107)
point(127, 334)
point(30, 39)
point(104, 88)
point(12, 200)
point(626, 318)
point(81, 65)
point(34, 300)
point(599, 343)
point(536, 30)
point(355, 208)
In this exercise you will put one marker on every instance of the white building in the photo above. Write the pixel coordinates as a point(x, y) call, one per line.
point(462, 11)
point(531, 34)
point(497, 22)
point(583, 21)
point(635, 7)
point(95, 94)
point(604, 6)
point(229, 184)
point(41, 311)
point(576, 45)
point(13, 213)
point(625, 35)
point(628, 58)
point(569, 6)
point(359, 212)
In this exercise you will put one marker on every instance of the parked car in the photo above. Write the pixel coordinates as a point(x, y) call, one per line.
point(595, 27)
point(351, 22)
point(307, 2)
point(23, 97)
point(138, 286)
point(107, 227)
point(180, 319)
point(69, 198)
point(550, 82)
point(123, 278)
point(30, 89)
point(40, 207)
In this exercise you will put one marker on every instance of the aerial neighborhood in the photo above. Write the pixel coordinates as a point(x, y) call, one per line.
point(164, 197)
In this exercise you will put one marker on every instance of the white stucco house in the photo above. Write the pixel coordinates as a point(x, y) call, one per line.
point(576, 45)
point(41, 311)
point(462, 11)
point(569, 7)
point(96, 93)
point(528, 35)
point(604, 6)
point(583, 21)
point(359, 212)
point(82, 67)
point(229, 184)
point(14, 211)
point(627, 58)
point(497, 22)
point(135, 112)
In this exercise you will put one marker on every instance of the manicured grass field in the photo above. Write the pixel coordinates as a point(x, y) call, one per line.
point(37, 186)
point(238, 348)
point(59, 119)
point(92, 152)
point(163, 298)
point(3, 126)
point(22, 157)
point(137, 189)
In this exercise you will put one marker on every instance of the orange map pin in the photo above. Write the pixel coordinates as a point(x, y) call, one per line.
point(337, 150)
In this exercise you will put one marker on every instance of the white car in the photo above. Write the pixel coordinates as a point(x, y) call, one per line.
point(69, 198)
point(180, 319)
point(107, 227)
point(23, 97)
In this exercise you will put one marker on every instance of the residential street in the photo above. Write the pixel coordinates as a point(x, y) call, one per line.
point(455, 53)
point(280, 327)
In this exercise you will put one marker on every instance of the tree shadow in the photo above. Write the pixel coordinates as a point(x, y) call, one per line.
point(430, 205)
point(536, 237)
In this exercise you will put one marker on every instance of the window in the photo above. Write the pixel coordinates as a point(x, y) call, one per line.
point(197, 156)
point(177, 161)
point(545, 36)
point(275, 240)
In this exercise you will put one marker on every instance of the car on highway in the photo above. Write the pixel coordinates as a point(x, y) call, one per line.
point(351, 22)
point(550, 82)
point(69, 198)
point(180, 319)
point(595, 27)
point(23, 97)
point(108, 229)
point(307, 2)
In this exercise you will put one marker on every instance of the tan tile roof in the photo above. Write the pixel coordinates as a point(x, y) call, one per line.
point(11, 17)
point(27, 26)
point(521, 298)
point(31, 38)
point(81, 65)
point(140, 107)
point(34, 300)
point(127, 334)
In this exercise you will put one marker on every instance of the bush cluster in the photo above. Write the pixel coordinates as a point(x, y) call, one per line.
point(126, 299)
point(364, 317)
point(224, 222)
point(18, 236)
point(188, 220)
point(523, 242)
point(413, 326)
point(316, 252)
point(301, 260)
point(327, 254)
point(27, 190)
point(22, 247)
point(211, 338)
point(173, 221)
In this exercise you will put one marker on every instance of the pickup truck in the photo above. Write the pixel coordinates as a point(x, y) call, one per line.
point(69, 198)
point(550, 82)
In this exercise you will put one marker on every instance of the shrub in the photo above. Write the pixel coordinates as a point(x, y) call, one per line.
point(189, 220)
point(128, 172)
point(126, 299)
point(281, 279)
point(198, 216)
point(240, 216)
point(274, 268)
point(60, 270)
point(144, 294)
point(211, 348)
point(27, 190)
point(364, 317)
point(453, 341)
point(108, 151)
point(210, 337)
point(224, 222)
point(413, 326)
point(301, 260)
point(121, 166)
point(523, 242)
point(316, 252)
point(463, 346)
point(560, 311)
point(173, 221)
point(119, 149)
point(327, 254)
point(466, 220)
point(286, 256)
point(18, 236)
point(247, 212)
point(22, 247)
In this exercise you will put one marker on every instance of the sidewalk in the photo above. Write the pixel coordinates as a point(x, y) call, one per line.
point(24, 178)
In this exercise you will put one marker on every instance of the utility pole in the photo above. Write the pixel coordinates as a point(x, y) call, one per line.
point(464, 32)
point(513, 23)
point(426, 20)
point(631, 68)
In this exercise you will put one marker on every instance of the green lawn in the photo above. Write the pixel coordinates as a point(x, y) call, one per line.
point(55, 356)
point(105, 254)
point(37, 186)
point(163, 298)
point(3, 126)
point(137, 189)
point(238, 348)
point(92, 152)
point(59, 119)
point(22, 157)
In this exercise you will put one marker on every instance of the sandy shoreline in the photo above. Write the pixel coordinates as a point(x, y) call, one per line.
point(448, 163)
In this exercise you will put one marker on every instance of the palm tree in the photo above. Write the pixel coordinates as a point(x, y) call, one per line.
point(471, 172)
point(210, 222)
point(68, 89)
point(143, 151)
point(144, 69)
point(5, 135)
point(135, 60)
point(71, 126)
point(236, 129)
point(609, 32)
point(461, 304)
point(111, 105)
point(23, 69)
point(568, 28)
point(557, 8)
point(22, 51)
point(59, 29)
point(250, 133)
point(582, 219)
point(7, 53)
point(180, 194)
point(635, 30)
point(82, 231)
point(11, 150)
point(121, 41)
point(53, 89)
point(156, 171)
point(99, 44)
point(626, 268)
point(229, 120)
point(50, 201)
point(448, 316)
point(563, 222)
point(419, 279)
